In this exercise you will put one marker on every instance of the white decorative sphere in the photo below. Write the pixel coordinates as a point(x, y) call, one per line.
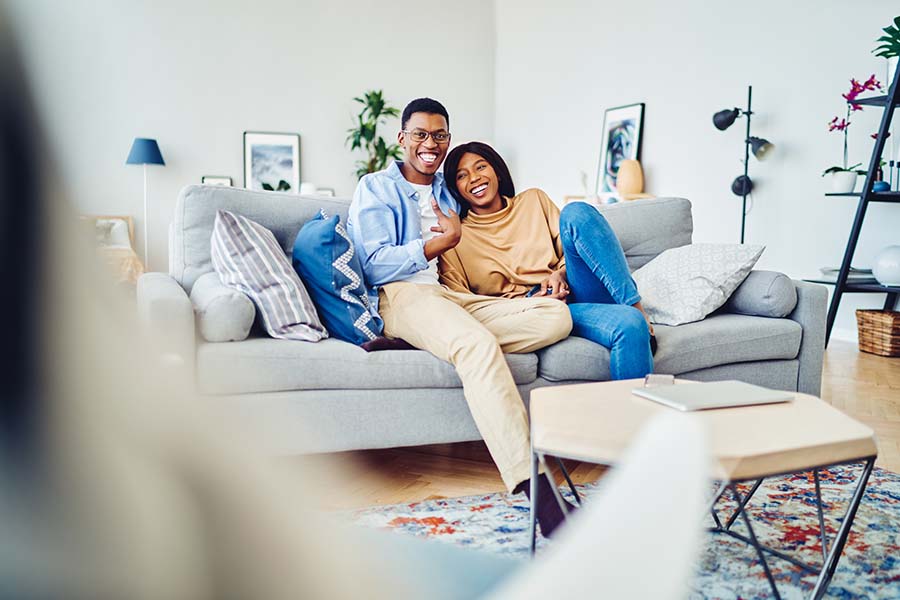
point(886, 268)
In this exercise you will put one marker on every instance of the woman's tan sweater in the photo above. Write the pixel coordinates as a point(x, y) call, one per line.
point(508, 252)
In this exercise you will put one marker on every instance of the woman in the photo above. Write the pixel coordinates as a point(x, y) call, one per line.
point(521, 245)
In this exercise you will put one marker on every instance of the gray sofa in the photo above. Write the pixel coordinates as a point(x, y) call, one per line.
point(332, 396)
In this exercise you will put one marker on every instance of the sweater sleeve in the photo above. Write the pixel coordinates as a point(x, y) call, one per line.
point(452, 273)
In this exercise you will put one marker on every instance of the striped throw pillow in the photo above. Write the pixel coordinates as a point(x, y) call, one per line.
point(248, 258)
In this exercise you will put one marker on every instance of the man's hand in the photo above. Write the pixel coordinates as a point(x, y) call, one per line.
point(449, 228)
point(555, 286)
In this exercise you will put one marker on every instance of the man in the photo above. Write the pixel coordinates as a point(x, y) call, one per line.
point(401, 220)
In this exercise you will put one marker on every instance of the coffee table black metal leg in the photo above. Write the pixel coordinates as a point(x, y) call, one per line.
point(723, 485)
point(534, 499)
point(743, 504)
point(565, 473)
point(753, 541)
point(563, 505)
point(837, 547)
point(822, 533)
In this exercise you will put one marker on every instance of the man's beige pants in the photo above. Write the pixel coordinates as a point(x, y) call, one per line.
point(472, 332)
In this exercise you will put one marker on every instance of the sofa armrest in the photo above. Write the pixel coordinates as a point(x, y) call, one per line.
point(812, 301)
point(167, 317)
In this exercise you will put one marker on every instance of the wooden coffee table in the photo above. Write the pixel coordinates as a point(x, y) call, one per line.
point(595, 422)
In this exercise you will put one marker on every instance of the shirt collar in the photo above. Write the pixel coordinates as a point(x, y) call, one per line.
point(393, 171)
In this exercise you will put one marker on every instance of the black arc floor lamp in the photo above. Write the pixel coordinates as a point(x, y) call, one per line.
point(742, 184)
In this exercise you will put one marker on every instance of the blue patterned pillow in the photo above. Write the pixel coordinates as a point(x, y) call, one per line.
point(326, 261)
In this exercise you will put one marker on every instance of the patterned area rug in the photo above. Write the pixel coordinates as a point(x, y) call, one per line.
point(783, 513)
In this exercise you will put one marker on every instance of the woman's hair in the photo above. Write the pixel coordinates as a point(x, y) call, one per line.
point(451, 167)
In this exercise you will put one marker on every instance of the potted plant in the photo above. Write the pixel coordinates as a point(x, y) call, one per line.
point(889, 46)
point(364, 135)
point(843, 178)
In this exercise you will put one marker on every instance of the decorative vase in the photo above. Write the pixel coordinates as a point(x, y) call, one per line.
point(843, 182)
point(629, 178)
point(630, 181)
point(886, 267)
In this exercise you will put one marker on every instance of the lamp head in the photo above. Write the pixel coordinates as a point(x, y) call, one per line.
point(761, 148)
point(145, 151)
point(724, 118)
point(742, 185)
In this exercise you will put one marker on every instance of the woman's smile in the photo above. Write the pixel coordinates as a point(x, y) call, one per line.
point(478, 183)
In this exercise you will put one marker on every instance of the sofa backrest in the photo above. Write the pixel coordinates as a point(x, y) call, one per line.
point(647, 227)
point(195, 214)
point(644, 227)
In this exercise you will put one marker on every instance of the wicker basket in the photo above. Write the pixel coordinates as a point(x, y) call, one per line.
point(879, 332)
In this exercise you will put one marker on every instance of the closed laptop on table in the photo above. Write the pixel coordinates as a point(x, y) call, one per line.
point(716, 394)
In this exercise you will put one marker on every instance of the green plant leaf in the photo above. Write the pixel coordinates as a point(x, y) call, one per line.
point(268, 187)
point(890, 43)
point(283, 186)
point(837, 169)
point(368, 131)
point(365, 134)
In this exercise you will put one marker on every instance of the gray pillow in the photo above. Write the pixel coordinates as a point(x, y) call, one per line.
point(764, 294)
point(223, 314)
point(248, 258)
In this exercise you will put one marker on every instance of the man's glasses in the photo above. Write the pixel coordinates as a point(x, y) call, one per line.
point(419, 135)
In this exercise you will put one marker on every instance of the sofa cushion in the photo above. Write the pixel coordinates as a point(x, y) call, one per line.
point(326, 261)
point(222, 314)
point(763, 294)
point(647, 227)
point(269, 365)
point(195, 213)
point(716, 340)
point(248, 258)
point(683, 285)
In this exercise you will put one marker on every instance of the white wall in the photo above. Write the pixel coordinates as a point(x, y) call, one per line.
point(533, 76)
point(560, 64)
point(195, 75)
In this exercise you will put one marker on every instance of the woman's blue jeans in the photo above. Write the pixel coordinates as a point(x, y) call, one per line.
point(601, 291)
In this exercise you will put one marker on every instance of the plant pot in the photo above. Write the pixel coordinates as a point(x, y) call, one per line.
point(886, 267)
point(843, 182)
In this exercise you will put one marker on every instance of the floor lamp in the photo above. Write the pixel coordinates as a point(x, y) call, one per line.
point(145, 151)
point(742, 184)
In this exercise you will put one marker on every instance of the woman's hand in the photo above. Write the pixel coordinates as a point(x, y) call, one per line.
point(555, 286)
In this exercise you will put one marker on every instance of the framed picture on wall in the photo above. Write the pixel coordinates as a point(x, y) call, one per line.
point(622, 129)
point(272, 161)
point(216, 180)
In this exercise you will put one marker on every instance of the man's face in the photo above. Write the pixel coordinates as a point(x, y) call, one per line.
point(424, 157)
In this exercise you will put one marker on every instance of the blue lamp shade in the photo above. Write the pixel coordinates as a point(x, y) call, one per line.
point(145, 151)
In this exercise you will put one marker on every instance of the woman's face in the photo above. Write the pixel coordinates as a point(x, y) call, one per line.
point(478, 184)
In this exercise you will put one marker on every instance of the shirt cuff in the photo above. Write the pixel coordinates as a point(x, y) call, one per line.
point(416, 250)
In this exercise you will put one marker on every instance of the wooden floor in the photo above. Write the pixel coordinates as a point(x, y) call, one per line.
point(864, 386)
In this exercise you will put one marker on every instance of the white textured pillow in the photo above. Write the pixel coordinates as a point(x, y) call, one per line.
point(683, 285)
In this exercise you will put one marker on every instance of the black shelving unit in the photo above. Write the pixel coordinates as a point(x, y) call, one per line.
point(841, 285)
point(876, 196)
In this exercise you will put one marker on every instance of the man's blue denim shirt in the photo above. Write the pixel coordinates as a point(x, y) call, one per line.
point(385, 227)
